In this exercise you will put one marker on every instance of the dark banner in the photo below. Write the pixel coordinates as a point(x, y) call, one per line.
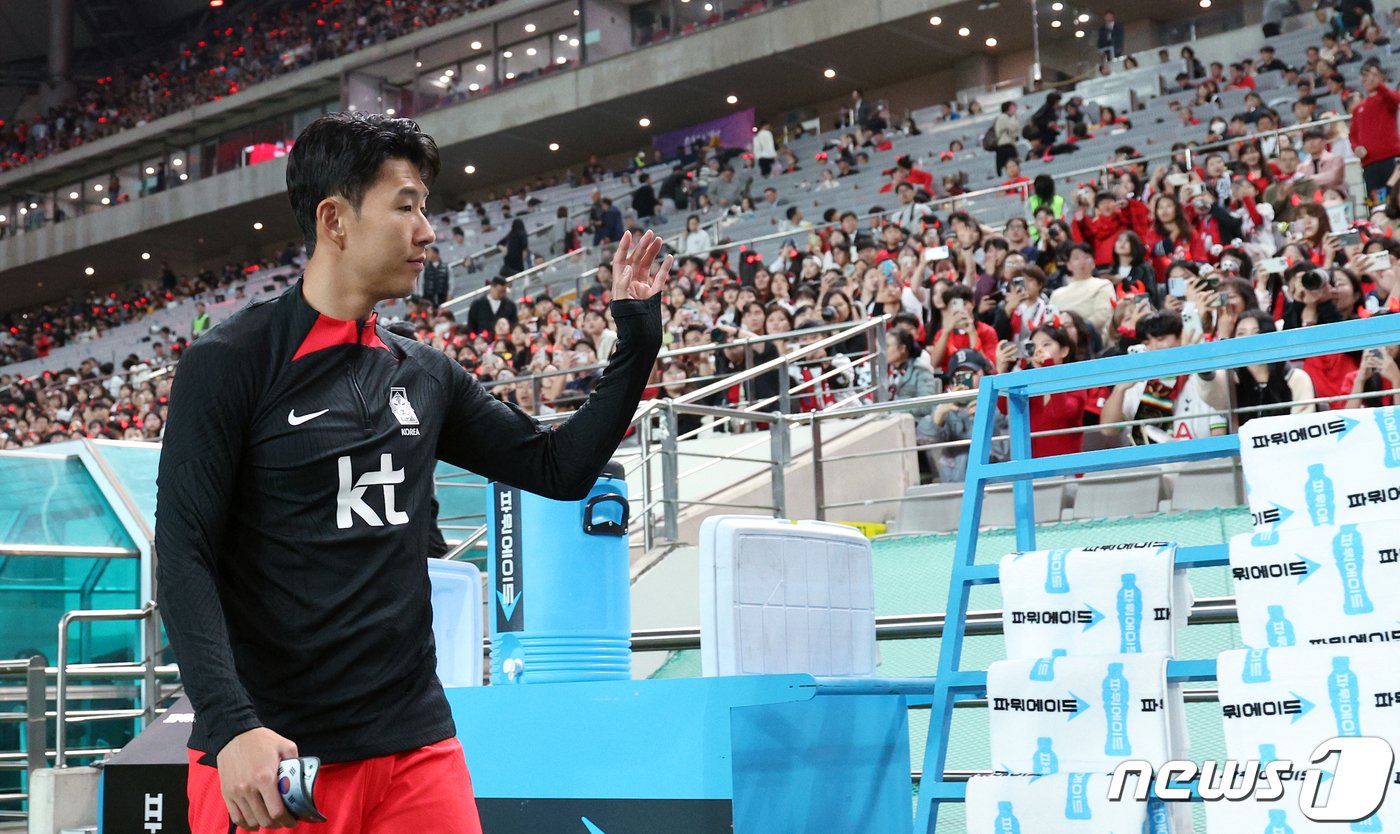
point(509, 591)
point(606, 816)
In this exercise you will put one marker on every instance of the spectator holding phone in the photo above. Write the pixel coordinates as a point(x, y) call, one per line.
point(960, 329)
point(1049, 346)
point(1378, 372)
point(952, 423)
point(1172, 237)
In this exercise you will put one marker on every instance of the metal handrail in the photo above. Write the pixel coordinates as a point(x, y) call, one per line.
point(1189, 150)
point(61, 730)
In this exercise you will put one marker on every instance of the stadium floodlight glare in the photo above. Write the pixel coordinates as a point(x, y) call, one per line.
point(1084, 18)
point(448, 73)
point(23, 210)
point(507, 54)
point(1079, 33)
point(389, 112)
point(563, 37)
point(145, 256)
point(481, 68)
point(418, 64)
point(184, 177)
point(554, 146)
point(935, 21)
point(644, 122)
point(991, 41)
point(214, 4)
point(3, 218)
point(149, 170)
point(709, 7)
point(510, 76)
point(474, 87)
point(1205, 4)
point(470, 169)
point(561, 60)
point(1057, 7)
point(476, 44)
point(732, 100)
point(1055, 24)
point(257, 226)
point(106, 201)
point(530, 27)
point(97, 186)
point(573, 41)
point(177, 162)
point(89, 271)
point(576, 12)
point(73, 195)
point(830, 73)
point(532, 52)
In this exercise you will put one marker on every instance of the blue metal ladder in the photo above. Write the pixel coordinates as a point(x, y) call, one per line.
point(954, 684)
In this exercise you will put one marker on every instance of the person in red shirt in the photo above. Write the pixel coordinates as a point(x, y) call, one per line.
point(1374, 137)
point(961, 329)
point(1239, 79)
point(1049, 345)
point(1014, 177)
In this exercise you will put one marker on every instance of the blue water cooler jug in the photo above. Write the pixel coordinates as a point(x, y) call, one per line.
point(558, 582)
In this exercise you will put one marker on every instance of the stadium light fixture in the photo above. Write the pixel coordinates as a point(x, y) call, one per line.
point(644, 122)
point(1205, 4)
point(257, 226)
point(149, 170)
point(33, 205)
point(1055, 24)
point(481, 68)
point(474, 87)
point(177, 162)
point(573, 41)
point(214, 4)
point(89, 271)
point(530, 27)
point(476, 44)
point(145, 256)
point(1079, 33)
point(561, 60)
point(510, 76)
point(935, 21)
point(732, 100)
point(184, 177)
point(73, 195)
point(830, 73)
point(507, 54)
point(97, 186)
point(470, 169)
point(418, 64)
point(532, 52)
point(576, 12)
point(709, 7)
point(1057, 7)
point(3, 218)
point(964, 32)
point(389, 112)
point(554, 146)
point(23, 210)
point(448, 73)
point(106, 201)
point(563, 37)
point(991, 41)
point(1084, 18)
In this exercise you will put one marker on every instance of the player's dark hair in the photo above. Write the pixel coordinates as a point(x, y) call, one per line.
point(340, 154)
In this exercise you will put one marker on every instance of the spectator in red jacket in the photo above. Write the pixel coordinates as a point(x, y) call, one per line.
point(1112, 216)
point(1374, 137)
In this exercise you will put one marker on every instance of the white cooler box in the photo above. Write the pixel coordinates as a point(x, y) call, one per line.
point(784, 597)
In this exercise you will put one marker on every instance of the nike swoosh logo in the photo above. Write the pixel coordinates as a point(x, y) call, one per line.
point(294, 420)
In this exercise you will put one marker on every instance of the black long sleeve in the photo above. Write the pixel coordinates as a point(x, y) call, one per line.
point(295, 511)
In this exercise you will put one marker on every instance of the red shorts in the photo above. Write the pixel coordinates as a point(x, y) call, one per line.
point(423, 791)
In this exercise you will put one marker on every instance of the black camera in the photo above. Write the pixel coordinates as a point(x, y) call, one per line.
point(829, 314)
point(1312, 281)
point(718, 335)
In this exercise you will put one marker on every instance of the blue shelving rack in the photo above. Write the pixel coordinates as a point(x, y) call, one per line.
point(954, 684)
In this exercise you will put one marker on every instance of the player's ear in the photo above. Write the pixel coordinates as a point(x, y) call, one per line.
point(331, 216)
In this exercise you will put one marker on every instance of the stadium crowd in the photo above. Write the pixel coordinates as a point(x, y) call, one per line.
point(1247, 234)
point(261, 44)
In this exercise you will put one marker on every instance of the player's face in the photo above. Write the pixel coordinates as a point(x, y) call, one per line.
point(385, 241)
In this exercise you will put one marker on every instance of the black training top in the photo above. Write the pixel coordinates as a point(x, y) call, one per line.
point(293, 516)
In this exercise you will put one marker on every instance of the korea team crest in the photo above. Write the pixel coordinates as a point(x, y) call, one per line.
point(401, 407)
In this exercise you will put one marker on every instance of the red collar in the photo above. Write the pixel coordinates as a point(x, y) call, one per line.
point(328, 332)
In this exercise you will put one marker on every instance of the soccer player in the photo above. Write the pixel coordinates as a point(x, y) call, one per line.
point(294, 492)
